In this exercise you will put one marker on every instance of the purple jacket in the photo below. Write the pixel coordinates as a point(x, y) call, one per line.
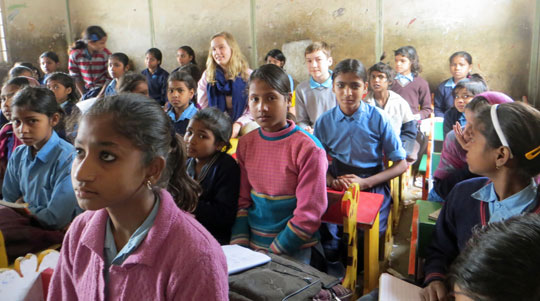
point(178, 260)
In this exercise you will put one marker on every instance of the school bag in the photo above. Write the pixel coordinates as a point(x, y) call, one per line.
point(280, 279)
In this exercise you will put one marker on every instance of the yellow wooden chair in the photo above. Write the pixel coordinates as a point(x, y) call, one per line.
point(3, 253)
point(357, 209)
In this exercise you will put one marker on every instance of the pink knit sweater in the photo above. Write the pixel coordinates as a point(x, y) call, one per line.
point(178, 260)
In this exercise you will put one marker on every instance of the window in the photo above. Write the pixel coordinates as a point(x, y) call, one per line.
point(3, 43)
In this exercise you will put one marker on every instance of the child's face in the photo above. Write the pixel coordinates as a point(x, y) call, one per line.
point(179, 94)
point(60, 91)
point(108, 168)
point(459, 67)
point(116, 68)
point(378, 81)
point(182, 57)
point(274, 61)
point(200, 141)
point(403, 64)
point(47, 65)
point(318, 64)
point(268, 106)
point(98, 45)
point(141, 88)
point(221, 51)
point(33, 128)
point(480, 156)
point(462, 98)
point(151, 62)
point(349, 89)
point(7, 94)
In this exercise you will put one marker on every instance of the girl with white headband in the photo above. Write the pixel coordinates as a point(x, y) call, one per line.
point(504, 148)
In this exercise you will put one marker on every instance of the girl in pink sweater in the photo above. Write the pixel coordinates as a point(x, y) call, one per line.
point(135, 242)
point(282, 174)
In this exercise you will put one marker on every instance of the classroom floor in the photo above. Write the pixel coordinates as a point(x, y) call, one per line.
point(399, 258)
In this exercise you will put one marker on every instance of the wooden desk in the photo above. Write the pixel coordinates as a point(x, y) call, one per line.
point(422, 232)
point(367, 218)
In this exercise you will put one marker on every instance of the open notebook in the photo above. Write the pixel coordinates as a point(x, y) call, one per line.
point(240, 259)
point(14, 205)
point(393, 288)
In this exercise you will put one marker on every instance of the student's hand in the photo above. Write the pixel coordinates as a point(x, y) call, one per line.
point(309, 129)
point(22, 211)
point(435, 291)
point(236, 129)
point(460, 135)
point(350, 178)
point(338, 184)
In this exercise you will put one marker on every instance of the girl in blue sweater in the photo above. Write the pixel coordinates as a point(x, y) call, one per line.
point(506, 151)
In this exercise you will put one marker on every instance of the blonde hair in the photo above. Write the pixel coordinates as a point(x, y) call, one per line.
point(316, 46)
point(237, 63)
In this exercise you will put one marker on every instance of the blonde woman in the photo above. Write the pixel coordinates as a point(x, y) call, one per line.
point(223, 84)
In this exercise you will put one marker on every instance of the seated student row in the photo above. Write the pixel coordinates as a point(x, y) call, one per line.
point(364, 81)
point(224, 54)
point(283, 110)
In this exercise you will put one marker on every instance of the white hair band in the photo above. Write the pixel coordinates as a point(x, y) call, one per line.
point(498, 129)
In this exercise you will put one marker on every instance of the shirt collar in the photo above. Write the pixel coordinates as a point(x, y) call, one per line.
point(187, 114)
point(409, 77)
point(327, 83)
point(134, 241)
point(44, 153)
point(487, 194)
point(450, 83)
point(355, 116)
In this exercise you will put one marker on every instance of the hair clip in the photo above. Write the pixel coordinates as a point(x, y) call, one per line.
point(533, 154)
point(94, 38)
point(498, 129)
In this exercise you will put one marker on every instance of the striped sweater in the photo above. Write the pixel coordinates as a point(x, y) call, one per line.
point(91, 68)
point(282, 190)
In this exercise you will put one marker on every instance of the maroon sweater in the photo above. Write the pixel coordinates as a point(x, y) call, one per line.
point(417, 94)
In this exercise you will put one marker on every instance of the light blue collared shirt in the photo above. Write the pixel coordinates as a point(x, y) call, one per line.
point(359, 140)
point(450, 83)
point(511, 206)
point(111, 254)
point(187, 114)
point(44, 181)
point(404, 79)
point(327, 83)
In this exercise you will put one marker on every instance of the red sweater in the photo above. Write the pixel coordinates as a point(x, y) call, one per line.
point(417, 94)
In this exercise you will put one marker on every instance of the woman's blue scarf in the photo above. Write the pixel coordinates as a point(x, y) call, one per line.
point(224, 87)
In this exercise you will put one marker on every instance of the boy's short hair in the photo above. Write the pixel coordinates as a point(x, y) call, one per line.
point(385, 69)
point(316, 46)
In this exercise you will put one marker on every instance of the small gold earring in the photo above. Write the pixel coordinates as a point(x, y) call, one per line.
point(498, 166)
point(149, 185)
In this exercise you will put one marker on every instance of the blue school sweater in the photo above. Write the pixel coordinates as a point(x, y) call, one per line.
point(157, 84)
point(218, 202)
point(459, 215)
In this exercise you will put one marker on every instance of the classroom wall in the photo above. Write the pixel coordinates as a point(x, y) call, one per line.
point(33, 27)
point(498, 33)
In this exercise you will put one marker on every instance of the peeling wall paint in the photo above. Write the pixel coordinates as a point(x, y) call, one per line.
point(33, 27)
point(496, 33)
point(347, 26)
